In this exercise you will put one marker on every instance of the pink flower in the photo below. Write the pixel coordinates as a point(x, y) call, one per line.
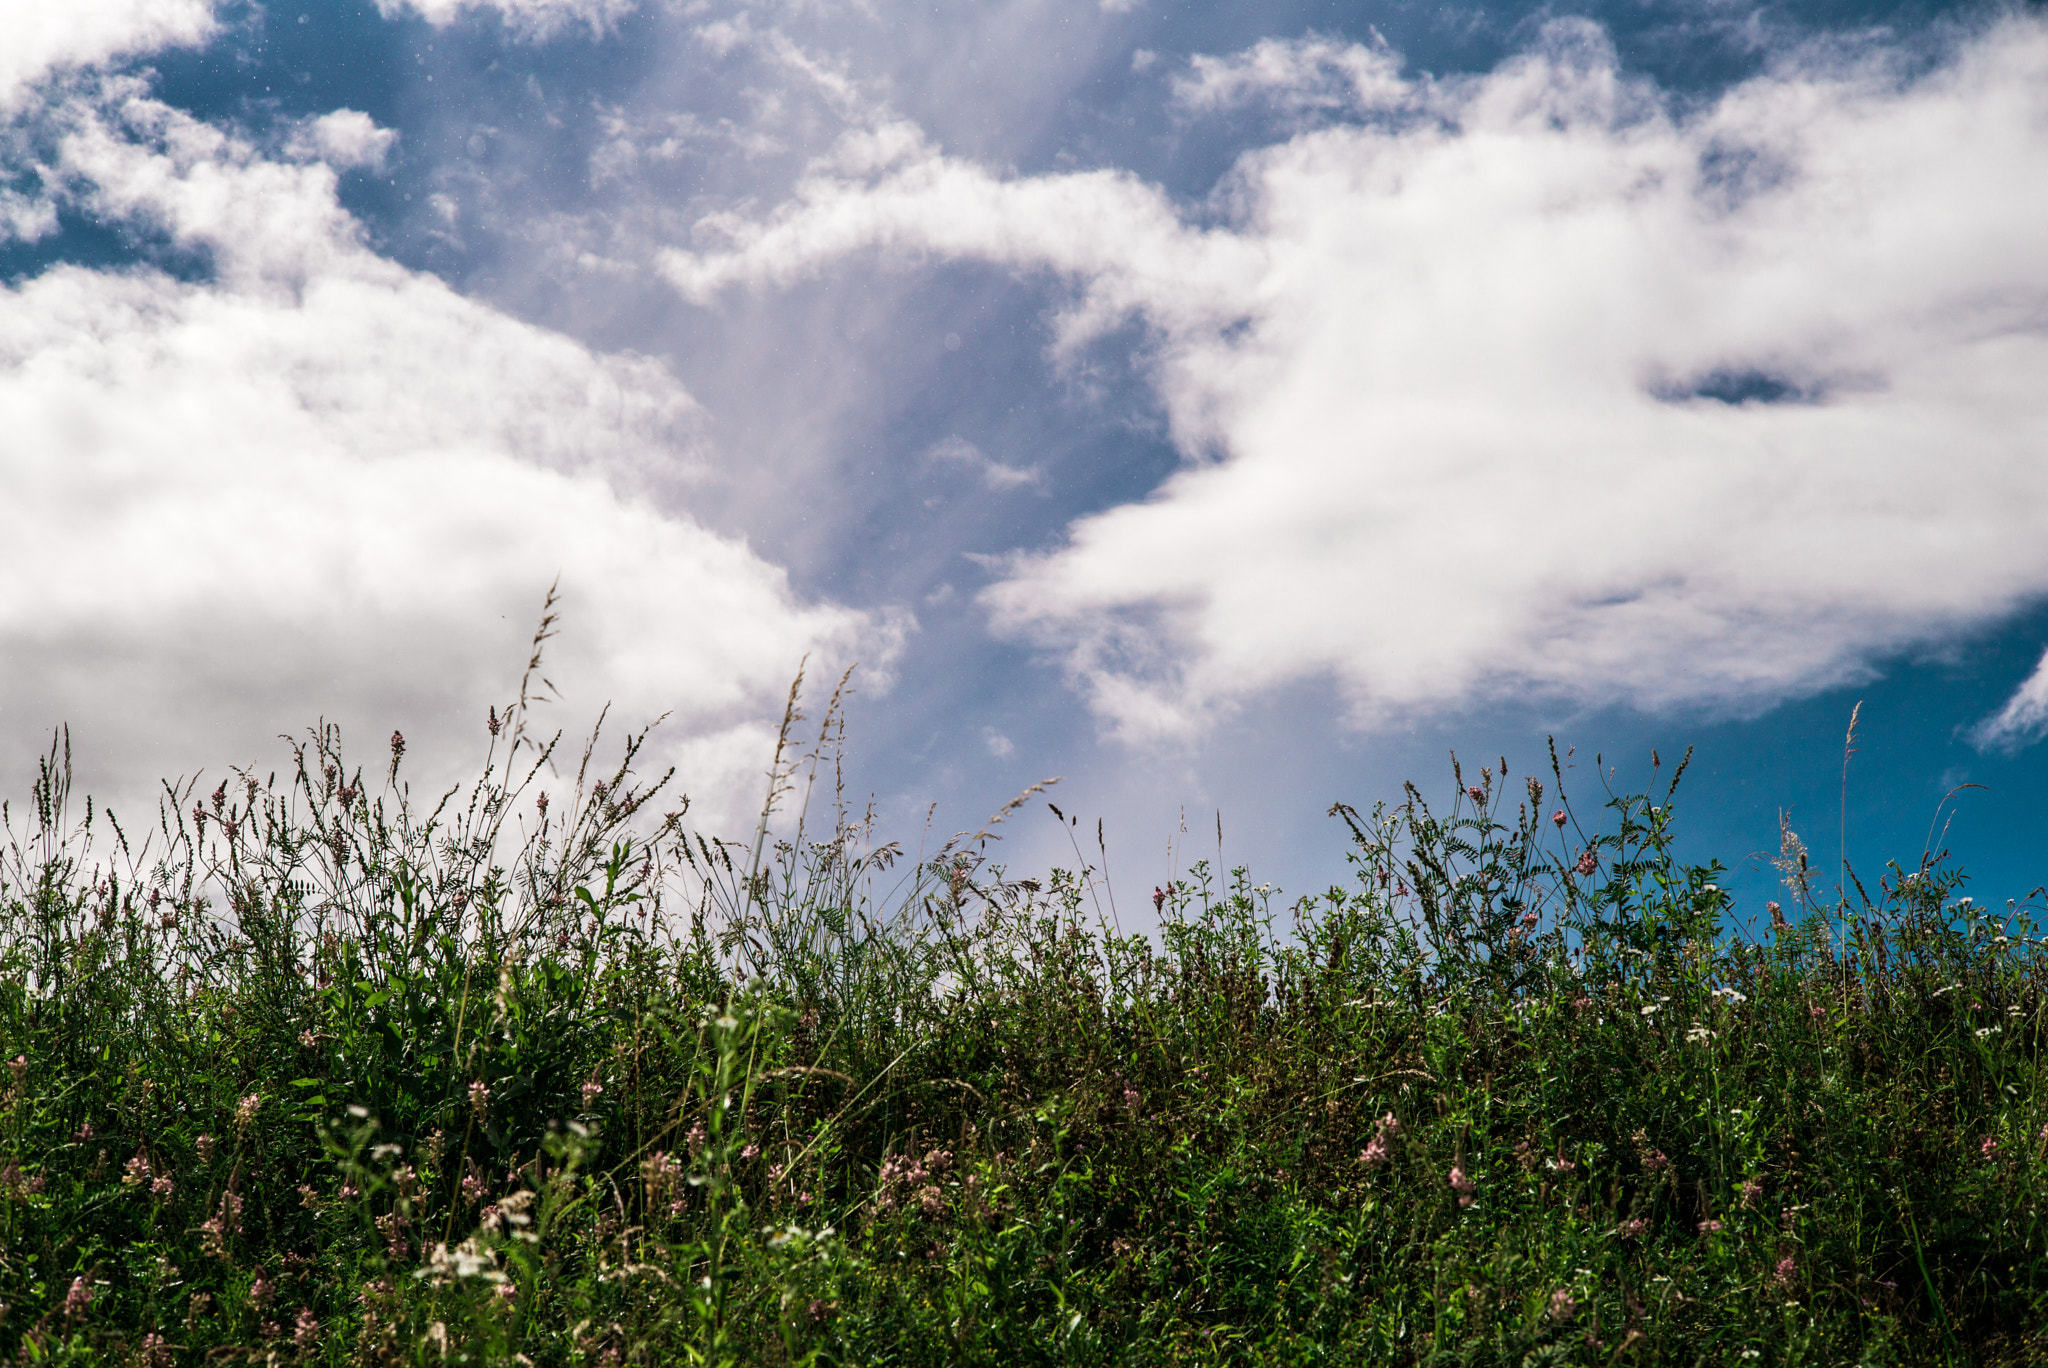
point(1463, 1186)
point(1989, 1149)
point(1710, 1227)
point(1629, 1230)
point(1752, 1190)
point(749, 1153)
point(1656, 1161)
point(1476, 794)
point(1785, 1271)
point(1588, 862)
point(1375, 1152)
point(1562, 1306)
point(78, 1300)
point(1557, 817)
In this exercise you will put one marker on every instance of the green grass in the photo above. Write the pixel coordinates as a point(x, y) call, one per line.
point(319, 1074)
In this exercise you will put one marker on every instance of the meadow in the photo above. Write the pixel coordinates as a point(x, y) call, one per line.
point(312, 1071)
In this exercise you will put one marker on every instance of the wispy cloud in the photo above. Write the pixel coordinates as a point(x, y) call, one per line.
point(538, 20)
point(1565, 390)
point(958, 451)
point(2022, 721)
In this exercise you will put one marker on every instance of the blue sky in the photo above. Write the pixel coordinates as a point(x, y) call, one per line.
point(1227, 407)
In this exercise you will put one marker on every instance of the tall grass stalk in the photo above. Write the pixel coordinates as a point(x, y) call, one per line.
point(316, 1073)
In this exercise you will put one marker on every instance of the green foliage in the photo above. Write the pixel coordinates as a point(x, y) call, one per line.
point(314, 1076)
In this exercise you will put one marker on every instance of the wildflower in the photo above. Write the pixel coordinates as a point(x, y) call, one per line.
point(136, 1171)
point(155, 1352)
point(18, 1066)
point(479, 1099)
point(1378, 1152)
point(394, 1224)
point(1711, 1227)
point(1462, 1185)
point(1562, 1306)
point(1989, 1149)
point(696, 1138)
point(1656, 1161)
point(1752, 1190)
point(305, 1330)
point(260, 1291)
point(1785, 1271)
point(1816, 1011)
point(1476, 793)
point(1158, 898)
point(1588, 862)
point(204, 1144)
point(79, 1299)
point(592, 1090)
point(1131, 1098)
point(507, 1292)
point(1557, 817)
point(750, 1153)
point(83, 1133)
point(931, 1201)
point(1632, 1229)
point(162, 1188)
point(246, 1109)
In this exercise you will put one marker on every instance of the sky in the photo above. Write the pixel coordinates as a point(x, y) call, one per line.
point(1230, 408)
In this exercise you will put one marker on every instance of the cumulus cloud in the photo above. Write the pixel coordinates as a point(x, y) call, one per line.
point(44, 37)
point(315, 480)
point(1544, 384)
point(345, 139)
point(534, 19)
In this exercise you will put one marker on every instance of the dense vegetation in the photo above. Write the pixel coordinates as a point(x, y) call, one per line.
point(313, 1075)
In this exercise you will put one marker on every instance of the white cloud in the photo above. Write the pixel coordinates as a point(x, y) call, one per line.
point(533, 19)
point(2022, 721)
point(1555, 389)
point(1298, 74)
point(322, 483)
point(997, 476)
point(45, 36)
point(345, 139)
